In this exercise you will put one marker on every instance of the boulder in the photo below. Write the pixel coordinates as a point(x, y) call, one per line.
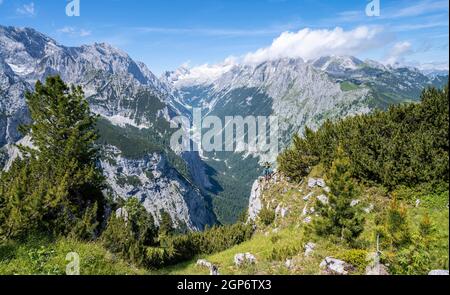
point(250, 258)
point(289, 264)
point(369, 209)
point(320, 183)
point(333, 266)
point(312, 183)
point(354, 203)
point(278, 210)
point(204, 263)
point(284, 212)
point(377, 270)
point(323, 199)
point(241, 259)
point(213, 270)
point(438, 272)
point(309, 249)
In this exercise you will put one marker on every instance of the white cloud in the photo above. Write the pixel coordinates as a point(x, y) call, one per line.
point(309, 44)
point(398, 53)
point(27, 10)
point(74, 32)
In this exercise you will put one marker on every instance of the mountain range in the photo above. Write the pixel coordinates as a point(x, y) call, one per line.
point(135, 108)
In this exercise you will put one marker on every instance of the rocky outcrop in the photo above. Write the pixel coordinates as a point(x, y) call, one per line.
point(255, 203)
point(158, 186)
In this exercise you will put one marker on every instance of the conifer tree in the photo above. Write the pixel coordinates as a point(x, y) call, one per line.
point(166, 224)
point(57, 183)
point(338, 217)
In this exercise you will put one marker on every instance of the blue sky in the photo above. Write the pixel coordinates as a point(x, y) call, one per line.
point(167, 33)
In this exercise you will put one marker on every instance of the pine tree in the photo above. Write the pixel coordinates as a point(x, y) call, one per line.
point(397, 224)
point(166, 224)
point(338, 217)
point(297, 161)
point(57, 182)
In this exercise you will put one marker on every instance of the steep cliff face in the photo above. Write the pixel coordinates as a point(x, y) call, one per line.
point(158, 186)
point(128, 97)
point(13, 111)
point(255, 202)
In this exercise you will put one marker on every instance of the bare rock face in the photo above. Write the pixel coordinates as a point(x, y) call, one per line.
point(158, 186)
point(333, 266)
point(255, 204)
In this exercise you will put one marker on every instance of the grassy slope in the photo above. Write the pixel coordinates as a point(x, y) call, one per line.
point(271, 245)
point(41, 256)
point(286, 237)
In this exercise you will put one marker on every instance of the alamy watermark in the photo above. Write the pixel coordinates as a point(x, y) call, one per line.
point(73, 267)
point(373, 8)
point(233, 134)
point(73, 8)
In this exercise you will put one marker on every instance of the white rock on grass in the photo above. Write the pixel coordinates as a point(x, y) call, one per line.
point(309, 249)
point(284, 212)
point(369, 209)
point(305, 210)
point(289, 264)
point(241, 259)
point(213, 270)
point(312, 182)
point(307, 220)
point(323, 199)
point(335, 266)
point(204, 262)
point(354, 203)
point(320, 183)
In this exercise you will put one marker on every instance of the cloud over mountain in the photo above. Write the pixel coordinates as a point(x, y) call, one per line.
point(309, 44)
